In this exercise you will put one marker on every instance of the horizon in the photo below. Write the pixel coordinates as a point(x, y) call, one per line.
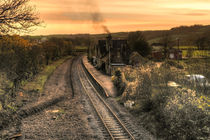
point(114, 32)
point(77, 16)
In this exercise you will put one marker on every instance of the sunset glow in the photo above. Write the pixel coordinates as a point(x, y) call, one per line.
point(74, 16)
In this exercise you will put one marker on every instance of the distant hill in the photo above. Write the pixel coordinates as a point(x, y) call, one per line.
point(186, 34)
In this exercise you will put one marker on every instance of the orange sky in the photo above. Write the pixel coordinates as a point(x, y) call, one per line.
point(75, 16)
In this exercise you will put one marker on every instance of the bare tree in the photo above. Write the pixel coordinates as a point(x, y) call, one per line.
point(17, 16)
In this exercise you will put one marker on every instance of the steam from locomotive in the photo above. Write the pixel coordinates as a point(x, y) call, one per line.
point(96, 16)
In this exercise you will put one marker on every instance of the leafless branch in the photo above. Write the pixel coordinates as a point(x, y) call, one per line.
point(17, 15)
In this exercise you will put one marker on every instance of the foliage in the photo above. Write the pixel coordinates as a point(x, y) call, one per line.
point(200, 43)
point(189, 53)
point(142, 47)
point(198, 66)
point(38, 83)
point(174, 63)
point(21, 60)
point(138, 43)
point(203, 41)
point(136, 59)
point(118, 82)
point(187, 120)
point(168, 112)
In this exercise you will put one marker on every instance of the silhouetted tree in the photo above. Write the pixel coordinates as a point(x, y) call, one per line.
point(138, 43)
point(17, 15)
point(201, 42)
point(207, 39)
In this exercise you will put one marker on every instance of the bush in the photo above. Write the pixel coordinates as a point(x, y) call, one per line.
point(144, 86)
point(174, 112)
point(130, 75)
point(136, 59)
point(118, 82)
point(22, 59)
point(138, 43)
point(147, 105)
point(174, 63)
point(186, 120)
point(142, 47)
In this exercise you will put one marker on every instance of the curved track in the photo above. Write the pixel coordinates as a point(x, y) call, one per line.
point(114, 126)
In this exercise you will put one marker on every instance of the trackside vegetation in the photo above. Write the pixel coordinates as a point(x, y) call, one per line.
point(164, 101)
point(27, 63)
point(37, 84)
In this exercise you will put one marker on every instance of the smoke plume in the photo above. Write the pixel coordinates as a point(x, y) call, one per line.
point(96, 16)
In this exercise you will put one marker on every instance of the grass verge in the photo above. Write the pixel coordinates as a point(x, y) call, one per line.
point(39, 81)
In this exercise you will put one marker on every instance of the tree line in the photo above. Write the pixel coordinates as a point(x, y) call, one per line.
point(21, 59)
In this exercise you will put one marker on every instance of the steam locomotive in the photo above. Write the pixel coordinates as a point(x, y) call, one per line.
point(109, 54)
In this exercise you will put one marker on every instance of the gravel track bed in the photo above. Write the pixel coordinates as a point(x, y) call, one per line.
point(55, 114)
point(58, 115)
point(68, 119)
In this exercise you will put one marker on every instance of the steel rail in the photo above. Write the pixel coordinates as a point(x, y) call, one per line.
point(71, 77)
point(95, 108)
point(106, 105)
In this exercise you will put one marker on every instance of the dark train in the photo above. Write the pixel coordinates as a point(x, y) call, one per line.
point(109, 54)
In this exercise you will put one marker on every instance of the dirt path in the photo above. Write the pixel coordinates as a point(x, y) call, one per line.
point(67, 119)
point(57, 115)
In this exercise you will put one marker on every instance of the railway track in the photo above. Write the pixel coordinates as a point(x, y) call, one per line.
point(74, 59)
point(112, 123)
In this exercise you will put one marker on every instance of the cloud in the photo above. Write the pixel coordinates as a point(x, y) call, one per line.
point(121, 14)
point(194, 14)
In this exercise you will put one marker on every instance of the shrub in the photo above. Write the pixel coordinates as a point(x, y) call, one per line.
point(130, 75)
point(22, 59)
point(144, 86)
point(174, 112)
point(187, 123)
point(142, 47)
point(190, 53)
point(179, 65)
point(186, 120)
point(118, 82)
point(136, 59)
point(138, 43)
point(129, 93)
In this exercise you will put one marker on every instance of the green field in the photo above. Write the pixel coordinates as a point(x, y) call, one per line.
point(186, 50)
point(197, 53)
point(80, 47)
point(185, 47)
